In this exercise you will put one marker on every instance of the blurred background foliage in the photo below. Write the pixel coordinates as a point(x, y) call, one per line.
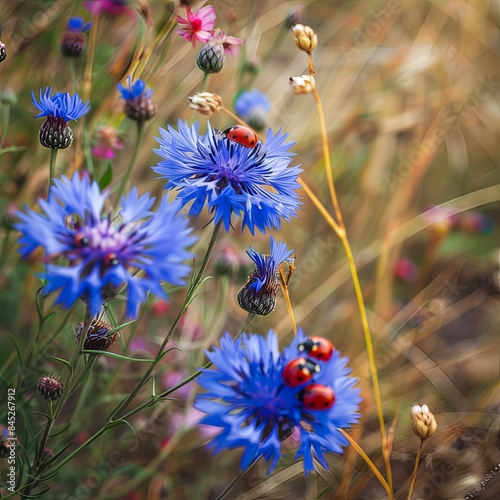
point(411, 92)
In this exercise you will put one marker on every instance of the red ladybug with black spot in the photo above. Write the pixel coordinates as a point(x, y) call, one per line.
point(110, 260)
point(242, 135)
point(317, 397)
point(317, 347)
point(81, 240)
point(299, 371)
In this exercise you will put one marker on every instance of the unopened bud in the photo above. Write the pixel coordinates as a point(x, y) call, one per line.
point(423, 423)
point(303, 84)
point(304, 38)
point(205, 103)
point(50, 387)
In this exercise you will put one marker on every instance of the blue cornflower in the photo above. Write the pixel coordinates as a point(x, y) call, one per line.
point(78, 24)
point(258, 295)
point(59, 109)
point(74, 39)
point(103, 252)
point(253, 107)
point(229, 177)
point(139, 105)
point(256, 410)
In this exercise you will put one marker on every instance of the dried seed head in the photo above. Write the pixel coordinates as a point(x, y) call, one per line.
point(205, 103)
point(423, 423)
point(304, 38)
point(303, 84)
point(50, 387)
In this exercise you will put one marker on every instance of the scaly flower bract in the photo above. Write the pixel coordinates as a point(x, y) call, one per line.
point(258, 295)
point(139, 105)
point(103, 252)
point(229, 177)
point(248, 399)
point(198, 25)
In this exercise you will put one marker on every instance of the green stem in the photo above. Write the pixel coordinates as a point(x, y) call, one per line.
point(124, 183)
point(53, 156)
point(204, 82)
point(5, 122)
point(191, 377)
point(189, 297)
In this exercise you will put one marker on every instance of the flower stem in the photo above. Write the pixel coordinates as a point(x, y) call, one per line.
point(368, 462)
point(52, 168)
point(234, 117)
point(357, 287)
point(125, 181)
point(87, 76)
point(284, 288)
point(204, 82)
point(415, 469)
point(193, 287)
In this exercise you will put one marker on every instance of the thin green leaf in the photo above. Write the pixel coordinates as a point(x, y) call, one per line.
point(107, 177)
point(39, 494)
point(53, 434)
point(118, 356)
point(18, 349)
point(67, 364)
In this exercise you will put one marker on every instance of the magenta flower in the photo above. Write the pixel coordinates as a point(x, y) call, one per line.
point(111, 7)
point(231, 44)
point(109, 142)
point(197, 26)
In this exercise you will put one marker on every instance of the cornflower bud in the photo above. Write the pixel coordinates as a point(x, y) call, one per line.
point(211, 58)
point(50, 387)
point(97, 338)
point(423, 423)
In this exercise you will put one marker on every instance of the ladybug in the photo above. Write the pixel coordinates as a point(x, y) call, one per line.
point(110, 260)
point(299, 371)
point(317, 347)
point(81, 240)
point(317, 397)
point(242, 135)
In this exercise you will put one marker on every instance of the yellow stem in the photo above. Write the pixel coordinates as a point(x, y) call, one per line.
point(321, 208)
point(311, 65)
point(326, 154)
point(87, 77)
point(415, 469)
point(341, 232)
point(368, 462)
point(284, 287)
point(234, 117)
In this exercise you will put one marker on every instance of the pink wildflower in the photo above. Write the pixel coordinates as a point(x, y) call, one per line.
point(111, 7)
point(197, 26)
point(109, 142)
